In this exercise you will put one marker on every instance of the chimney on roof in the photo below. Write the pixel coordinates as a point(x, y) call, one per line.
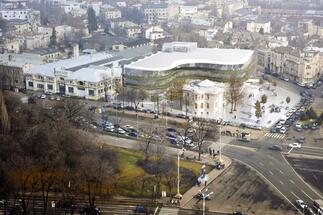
point(76, 50)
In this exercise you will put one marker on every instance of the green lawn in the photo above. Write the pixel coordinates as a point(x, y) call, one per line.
point(131, 176)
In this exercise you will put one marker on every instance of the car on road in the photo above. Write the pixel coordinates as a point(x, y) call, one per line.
point(172, 141)
point(301, 204)
point(141, 209)
point(300, 140)
point(295, 145)
point(283, 130)
point(276, 147)
point(43, 96)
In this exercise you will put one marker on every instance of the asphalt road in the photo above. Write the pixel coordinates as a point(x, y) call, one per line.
point(270, 164)
point(274, 167)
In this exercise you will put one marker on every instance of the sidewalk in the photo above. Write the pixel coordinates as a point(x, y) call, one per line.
point(189, 195)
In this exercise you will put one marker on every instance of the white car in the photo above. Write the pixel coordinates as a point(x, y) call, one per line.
point(283, 130)
point(300, 203)
point(43, 96)
point(295, 145)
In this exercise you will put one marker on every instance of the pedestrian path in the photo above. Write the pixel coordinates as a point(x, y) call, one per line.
point(275, 135)
point(189, 195)
point(168, 211)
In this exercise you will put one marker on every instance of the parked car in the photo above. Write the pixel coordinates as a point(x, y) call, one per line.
point(120, 131)
point(172, 141)
point(43, 96)
point(171, 129)
point(91, 211)
point(133, 134)
point(182, 116)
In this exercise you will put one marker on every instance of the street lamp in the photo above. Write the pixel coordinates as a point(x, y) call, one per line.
point(204, 196)
point(178, 195)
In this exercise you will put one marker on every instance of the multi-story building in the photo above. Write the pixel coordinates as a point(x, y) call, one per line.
point(204, 99)
point(259, 27)
point(301, 67)
point(108, 12)
point(187, 11)
point(185, 59)
point(154, 33)
point(155, 12)
point(90, 76)
point(13, 67)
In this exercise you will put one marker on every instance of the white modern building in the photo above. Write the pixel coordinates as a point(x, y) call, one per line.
point(90, 76)
point(154, 33)
point(185, 59)
point(258, 26)
point(204, 99)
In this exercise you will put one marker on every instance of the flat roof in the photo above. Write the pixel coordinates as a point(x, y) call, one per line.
point(163, 61)
point(72, 64)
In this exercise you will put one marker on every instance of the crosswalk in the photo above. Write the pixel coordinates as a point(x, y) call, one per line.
point(275, 135)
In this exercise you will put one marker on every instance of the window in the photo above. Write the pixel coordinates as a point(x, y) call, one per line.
point(207, 97)
point(195, 106)
point(81, 88)
point(207, 105)
point(71, 89)
point(40, 86)
point(50, 86)
point(91, 92)
point(31, 84)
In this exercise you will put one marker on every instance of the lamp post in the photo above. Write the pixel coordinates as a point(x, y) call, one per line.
point(204, 196)
point(178, 195)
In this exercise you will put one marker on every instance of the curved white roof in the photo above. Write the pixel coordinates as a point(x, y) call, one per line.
point(163, 61)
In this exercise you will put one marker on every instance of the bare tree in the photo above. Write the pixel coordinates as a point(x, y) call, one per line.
point(234, 93)
point(156, 99)
point(4, 117)
point(202, 131)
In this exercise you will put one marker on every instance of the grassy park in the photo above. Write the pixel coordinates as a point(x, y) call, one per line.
point(135, 180)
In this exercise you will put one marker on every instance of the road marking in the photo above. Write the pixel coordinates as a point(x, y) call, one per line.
point(292, 181)
point(307, 195)
point(281, 182)
point(281, 172)
point(295, 195)
point(271, 173)
point(261, 164)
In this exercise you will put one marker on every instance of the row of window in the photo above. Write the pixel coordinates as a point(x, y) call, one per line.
point(196, 97)
point(40, 86)
point(202, 105)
